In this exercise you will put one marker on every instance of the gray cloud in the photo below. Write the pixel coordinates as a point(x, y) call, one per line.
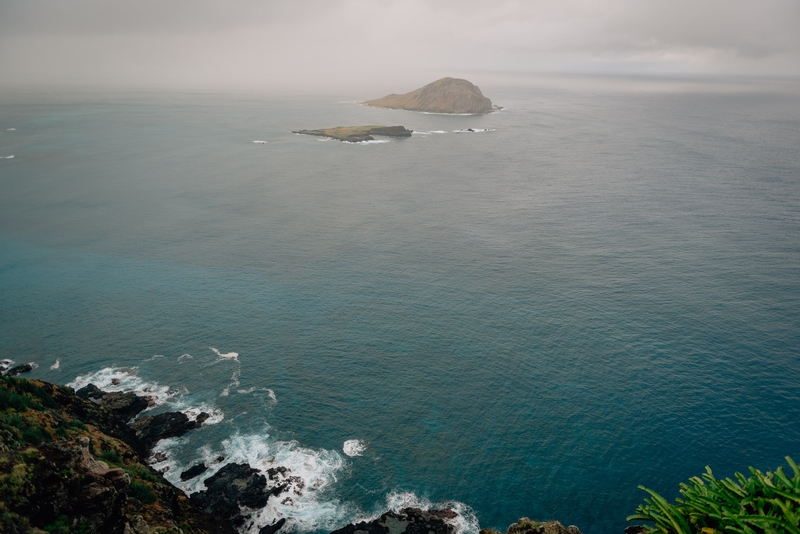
point(268, 43)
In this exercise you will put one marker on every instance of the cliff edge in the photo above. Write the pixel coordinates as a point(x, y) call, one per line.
point(448, 95)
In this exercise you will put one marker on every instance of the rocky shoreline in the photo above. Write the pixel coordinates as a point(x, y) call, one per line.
point(73, 461)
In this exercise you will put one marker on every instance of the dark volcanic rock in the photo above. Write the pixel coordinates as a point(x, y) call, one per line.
point(126, 405)
point(91, 392)
point(150, 429)
point(405, 521)
point(273, 528)
point(232, 486)
point(193, 471)
point(19, 369)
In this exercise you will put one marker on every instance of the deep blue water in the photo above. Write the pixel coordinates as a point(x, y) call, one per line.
point(602, 292)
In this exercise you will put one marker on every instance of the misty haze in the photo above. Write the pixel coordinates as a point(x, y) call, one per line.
point(384, 267)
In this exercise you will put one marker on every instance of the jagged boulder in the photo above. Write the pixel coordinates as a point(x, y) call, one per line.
point(195, 470)
point(150, 429)
point(405, 521)
point(19, 369)
point(229, 488)
point(126, 405)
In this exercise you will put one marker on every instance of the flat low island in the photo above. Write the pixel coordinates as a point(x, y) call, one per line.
point(357, 134)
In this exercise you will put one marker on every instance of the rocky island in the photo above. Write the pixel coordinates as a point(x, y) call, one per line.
point(448, 95)
point(357, 134)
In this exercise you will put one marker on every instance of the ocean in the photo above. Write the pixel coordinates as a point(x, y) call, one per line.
point(597, 288)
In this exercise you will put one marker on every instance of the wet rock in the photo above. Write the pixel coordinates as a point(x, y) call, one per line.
point(126, 405)
point(274, 472)
point(405, 521)
point(150, 429)
point(273, 528)
point(232, 486)
point(193, 471)
point(19, 369)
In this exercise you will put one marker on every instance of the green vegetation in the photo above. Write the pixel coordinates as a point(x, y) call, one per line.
point(764, 503)
point(141, 491)
point(63, 526)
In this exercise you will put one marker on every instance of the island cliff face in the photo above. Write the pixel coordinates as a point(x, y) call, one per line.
point(448, 95)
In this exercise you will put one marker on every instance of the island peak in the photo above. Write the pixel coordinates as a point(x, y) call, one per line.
point(446, 95)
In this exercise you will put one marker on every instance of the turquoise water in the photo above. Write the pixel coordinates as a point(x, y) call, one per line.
point(603, 291)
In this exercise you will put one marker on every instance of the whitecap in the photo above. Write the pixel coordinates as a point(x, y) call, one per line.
point(474, 130)
point(260, 142)
point(227, 356)
point(11, 130)
point(55, 365)
point(215, 415)
point(5, 364)
point(113, 379)
point(184, 357)
point(154, 357)
point(10, 157)
point(354, 447)
point(369, 142)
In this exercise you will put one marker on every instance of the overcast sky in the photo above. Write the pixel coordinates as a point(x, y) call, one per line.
point(292, 43)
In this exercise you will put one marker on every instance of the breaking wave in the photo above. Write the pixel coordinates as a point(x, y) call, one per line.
point(354, 447)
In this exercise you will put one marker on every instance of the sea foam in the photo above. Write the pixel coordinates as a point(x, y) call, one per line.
point(307, 506)
point(122, 379)
point(354, 447)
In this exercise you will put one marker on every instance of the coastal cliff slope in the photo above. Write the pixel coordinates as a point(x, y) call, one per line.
point(69, 464)
point(73, 462)
point(448, 95)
